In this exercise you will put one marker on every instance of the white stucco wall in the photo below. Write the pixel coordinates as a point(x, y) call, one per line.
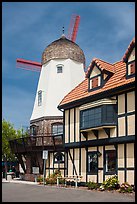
point(55, 86)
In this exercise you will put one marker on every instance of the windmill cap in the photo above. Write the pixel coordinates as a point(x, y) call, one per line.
point(63, 48)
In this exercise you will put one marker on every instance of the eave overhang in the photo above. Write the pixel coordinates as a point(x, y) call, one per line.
point(103, 94)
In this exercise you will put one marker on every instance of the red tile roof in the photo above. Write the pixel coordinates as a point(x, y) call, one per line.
point(129, 49)
point(101, 65)
point(116, 80)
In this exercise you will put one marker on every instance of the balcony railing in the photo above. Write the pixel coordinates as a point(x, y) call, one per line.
point(36, 143)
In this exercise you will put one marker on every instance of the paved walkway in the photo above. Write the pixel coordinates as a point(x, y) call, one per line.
point(18, 180)
point(18, 191)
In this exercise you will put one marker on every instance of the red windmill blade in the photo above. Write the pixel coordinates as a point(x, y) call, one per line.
point(28, 65)
point(73, 28)
point(36, 66)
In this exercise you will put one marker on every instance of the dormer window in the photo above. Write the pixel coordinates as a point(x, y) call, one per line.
point(129, 59)
point(94, 78)
point(95, 82)
point(99, 73)
point(131, 65)
point(131, 68)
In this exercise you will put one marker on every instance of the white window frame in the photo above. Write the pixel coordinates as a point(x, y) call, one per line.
point(39, 97)
point(59, 68)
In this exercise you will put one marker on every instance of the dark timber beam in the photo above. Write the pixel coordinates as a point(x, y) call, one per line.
point(95, 133)
point(85, 134)
point(19, 157)
point(72, 162)
point(107, 130)
point(101, 142)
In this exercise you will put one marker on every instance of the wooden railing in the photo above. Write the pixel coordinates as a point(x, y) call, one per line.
point(36, 143)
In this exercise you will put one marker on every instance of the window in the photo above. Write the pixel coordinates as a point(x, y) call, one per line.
point(59, 157)
point(110, 161)
point(132, 68)
point(92, 162)
point(57, 129)
point(98, 116)
point(33, 130)
point(90, 117)
point(94, 82)
point(59, 69)
point(39, 98)
point(109, 114)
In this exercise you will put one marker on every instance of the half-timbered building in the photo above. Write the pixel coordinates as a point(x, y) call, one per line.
point(99, 121)
point(98, 137)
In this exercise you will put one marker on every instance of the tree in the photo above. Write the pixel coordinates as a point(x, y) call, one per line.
point(8, 133)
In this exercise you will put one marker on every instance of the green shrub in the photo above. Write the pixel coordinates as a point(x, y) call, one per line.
point(51, 181)
point(62, 181)
point(125, 188)
point(39, 179)
point(92, 185)
point(111, 183)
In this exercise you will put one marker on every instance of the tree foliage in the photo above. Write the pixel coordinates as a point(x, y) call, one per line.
point(8, 133)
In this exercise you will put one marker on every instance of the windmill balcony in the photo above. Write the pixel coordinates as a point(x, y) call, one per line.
point(37, 143)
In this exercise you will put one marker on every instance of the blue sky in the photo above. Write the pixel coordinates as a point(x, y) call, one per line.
point(105, 31)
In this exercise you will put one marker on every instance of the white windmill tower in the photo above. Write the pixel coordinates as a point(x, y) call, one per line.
point(62, 68)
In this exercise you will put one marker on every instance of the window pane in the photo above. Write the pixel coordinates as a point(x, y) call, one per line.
point(54, 129)
point(59, 69)
point(33, 131)
point(94, 82)
point(111, 161)
point(57, 129)
point(132, 68)
point(91, 117)
point(60, 129)
point(92, 162)
point(59, 157)
point(39, 98)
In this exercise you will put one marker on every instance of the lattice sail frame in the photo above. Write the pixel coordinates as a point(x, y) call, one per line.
point(36, 66)
point(73, 27)
point(28, 65)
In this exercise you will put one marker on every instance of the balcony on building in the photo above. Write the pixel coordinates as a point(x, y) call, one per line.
point(31, 143)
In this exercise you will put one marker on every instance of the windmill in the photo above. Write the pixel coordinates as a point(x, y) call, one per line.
point(36, 66)
point(73, 27)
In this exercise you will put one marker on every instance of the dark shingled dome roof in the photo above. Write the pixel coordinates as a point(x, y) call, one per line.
point(63, 48)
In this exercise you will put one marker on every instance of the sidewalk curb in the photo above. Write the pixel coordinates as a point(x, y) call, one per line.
point(19, 181)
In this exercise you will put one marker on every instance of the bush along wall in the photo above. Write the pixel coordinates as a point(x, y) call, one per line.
point(126, 188)
point(111, 183)
point(52, 179)
point(92, 185)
